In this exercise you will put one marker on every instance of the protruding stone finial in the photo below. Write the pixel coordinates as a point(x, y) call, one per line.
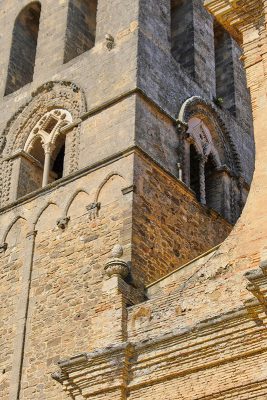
point(117, 251)
point(115, 266)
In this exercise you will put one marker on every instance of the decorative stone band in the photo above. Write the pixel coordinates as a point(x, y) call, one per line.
point(102, 371)
point(236, 15)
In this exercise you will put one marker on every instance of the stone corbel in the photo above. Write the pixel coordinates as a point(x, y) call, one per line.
point(110, 42)
point(182, 128)
point(93, 210)
point(63, 222)
point(3, 247)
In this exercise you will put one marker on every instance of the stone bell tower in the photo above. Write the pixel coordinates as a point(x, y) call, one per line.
point(126, 151)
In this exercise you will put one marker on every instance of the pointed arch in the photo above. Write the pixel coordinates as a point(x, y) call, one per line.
point(72, 198)
point(42, 210)
point(23, 47)
point(102, 184)
point(10, 226)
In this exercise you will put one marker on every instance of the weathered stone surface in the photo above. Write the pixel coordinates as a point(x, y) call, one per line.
point(68, 329)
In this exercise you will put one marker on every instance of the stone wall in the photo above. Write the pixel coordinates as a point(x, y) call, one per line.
point(66, 305)
point(170, 227)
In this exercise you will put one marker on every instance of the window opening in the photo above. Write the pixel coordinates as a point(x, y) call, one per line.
point(58, 165)
point(182, 33)
point(194, 172)
point(81, 28)
point(213, 187)
point(224, 68)
point(23, 48)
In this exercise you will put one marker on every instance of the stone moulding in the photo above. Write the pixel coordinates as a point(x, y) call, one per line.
point(236, 15)
point(104, 370)
point(214, 343)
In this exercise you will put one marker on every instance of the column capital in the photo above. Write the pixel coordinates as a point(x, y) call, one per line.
point(48, 147)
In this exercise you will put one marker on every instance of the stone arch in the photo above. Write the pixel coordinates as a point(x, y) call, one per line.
point(23, 47)
point(10, 226)
point(104, 182)
point(220, 169)
point(62, 95)
point(42, 210)
point(73, 198)
point(198, 107)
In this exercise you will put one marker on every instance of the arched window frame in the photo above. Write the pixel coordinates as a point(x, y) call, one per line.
point(48, 130)
point(22, 55)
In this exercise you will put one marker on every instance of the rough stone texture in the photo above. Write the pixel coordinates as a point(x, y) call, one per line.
point(196, 333)
point(170, 227)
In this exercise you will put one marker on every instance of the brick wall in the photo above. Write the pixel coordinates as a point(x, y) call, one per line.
point(170, 227)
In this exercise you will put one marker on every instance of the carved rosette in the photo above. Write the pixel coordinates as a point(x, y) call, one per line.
point(115, 266)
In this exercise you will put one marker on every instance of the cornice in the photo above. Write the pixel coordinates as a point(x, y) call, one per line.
point(236, 15)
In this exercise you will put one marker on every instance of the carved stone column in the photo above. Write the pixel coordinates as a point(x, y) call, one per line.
point(48, 149)
point(202, 181)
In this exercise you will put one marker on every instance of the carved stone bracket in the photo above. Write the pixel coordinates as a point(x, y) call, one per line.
point(93, 210)
point(115, 266)
point(3, 247)
point(63, 222)
point(110, 42)
point(182, 127)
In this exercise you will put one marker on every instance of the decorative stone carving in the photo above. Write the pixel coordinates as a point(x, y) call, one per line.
point(51, 96)
point(93, 210)
point(110, 41)
point(63, 222)
point(58, 376)
point(3, 247)
point(115, 266)
point(2, 143)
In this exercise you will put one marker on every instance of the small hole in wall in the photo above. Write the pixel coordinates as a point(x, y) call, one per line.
point(3, 371)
